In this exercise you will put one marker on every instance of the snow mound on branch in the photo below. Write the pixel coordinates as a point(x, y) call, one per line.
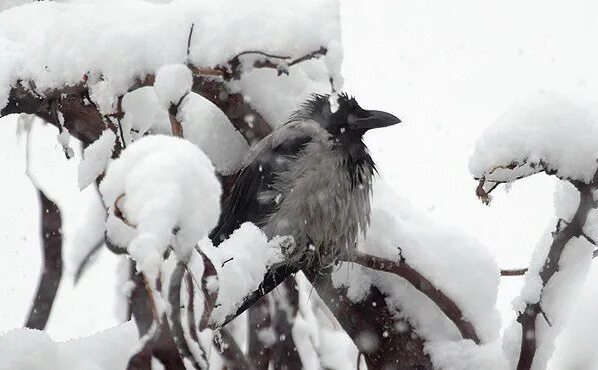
point(95, 158)
point(126, 40)
point(161, 185)
point(454, 262)
point(143, 112)
point(545, 129)
point(24, 349)
point(172, 83)
point(206, 126)
point(241, 262)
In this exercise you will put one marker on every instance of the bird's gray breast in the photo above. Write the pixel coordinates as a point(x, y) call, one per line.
point(317, 202)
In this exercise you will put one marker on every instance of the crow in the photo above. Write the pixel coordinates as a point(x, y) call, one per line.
point(310, 178)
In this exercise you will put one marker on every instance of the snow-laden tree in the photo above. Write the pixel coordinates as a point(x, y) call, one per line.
point(167, 99)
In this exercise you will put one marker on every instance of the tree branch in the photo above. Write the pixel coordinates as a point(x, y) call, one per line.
point(385, 341)
point(560, 238)
point(402, 269)
point(51, 237)
point(259, 321)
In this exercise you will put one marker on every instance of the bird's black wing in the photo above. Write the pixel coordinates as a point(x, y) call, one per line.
point(259, 175)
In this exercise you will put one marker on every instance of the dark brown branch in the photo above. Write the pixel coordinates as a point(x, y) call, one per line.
point(286, 305)
point(229, 350)
point(513, 272)
point(161, 344)
point(560, 238)
point(259, 353)
point(89, 257)
point(387, 343)
point(402, 269)
point(51, 241)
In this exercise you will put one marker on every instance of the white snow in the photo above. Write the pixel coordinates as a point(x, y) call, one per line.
point(161, 183)
point(575, 346)
point(172, 83)
point(25, 349)
point(95, 158)
point(103, 94)
point(241, 262)
point(276, 97)
point(206, 126)
point(545, 128)
point(120, 43)
point(143, 112)
point(453, 261)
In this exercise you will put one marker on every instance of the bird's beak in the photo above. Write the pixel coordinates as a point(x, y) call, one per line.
point(374, 119)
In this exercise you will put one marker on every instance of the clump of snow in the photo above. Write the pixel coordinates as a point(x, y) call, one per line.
point(206, 126)
point(95, 158)
point(162, 185)
point(23, 349)
point(454, 262)
point(276, 97)
point(466, 355)
point(51, 50)
point(143, 112)
point(103, 95)
point(241, 262)
point(546, 129)
point(172, 83)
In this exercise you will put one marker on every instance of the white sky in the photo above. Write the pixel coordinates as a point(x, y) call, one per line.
point(446, 68)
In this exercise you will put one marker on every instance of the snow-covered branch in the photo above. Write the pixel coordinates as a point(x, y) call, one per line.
point(548, 134)
point(402, 269)
point(563, 236)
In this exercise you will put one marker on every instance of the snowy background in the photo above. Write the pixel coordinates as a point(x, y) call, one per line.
point(447, 69)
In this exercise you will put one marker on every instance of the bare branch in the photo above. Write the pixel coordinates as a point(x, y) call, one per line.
point(513, 272)
point(51, 236)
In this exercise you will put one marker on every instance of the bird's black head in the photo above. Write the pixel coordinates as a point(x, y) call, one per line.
point(341, 115)
point(346, 122)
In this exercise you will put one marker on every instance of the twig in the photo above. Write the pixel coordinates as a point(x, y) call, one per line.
point(89, 256)
point(513, 272)
point(189, 40)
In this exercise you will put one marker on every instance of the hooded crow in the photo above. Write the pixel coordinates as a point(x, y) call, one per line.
point(310, 178)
